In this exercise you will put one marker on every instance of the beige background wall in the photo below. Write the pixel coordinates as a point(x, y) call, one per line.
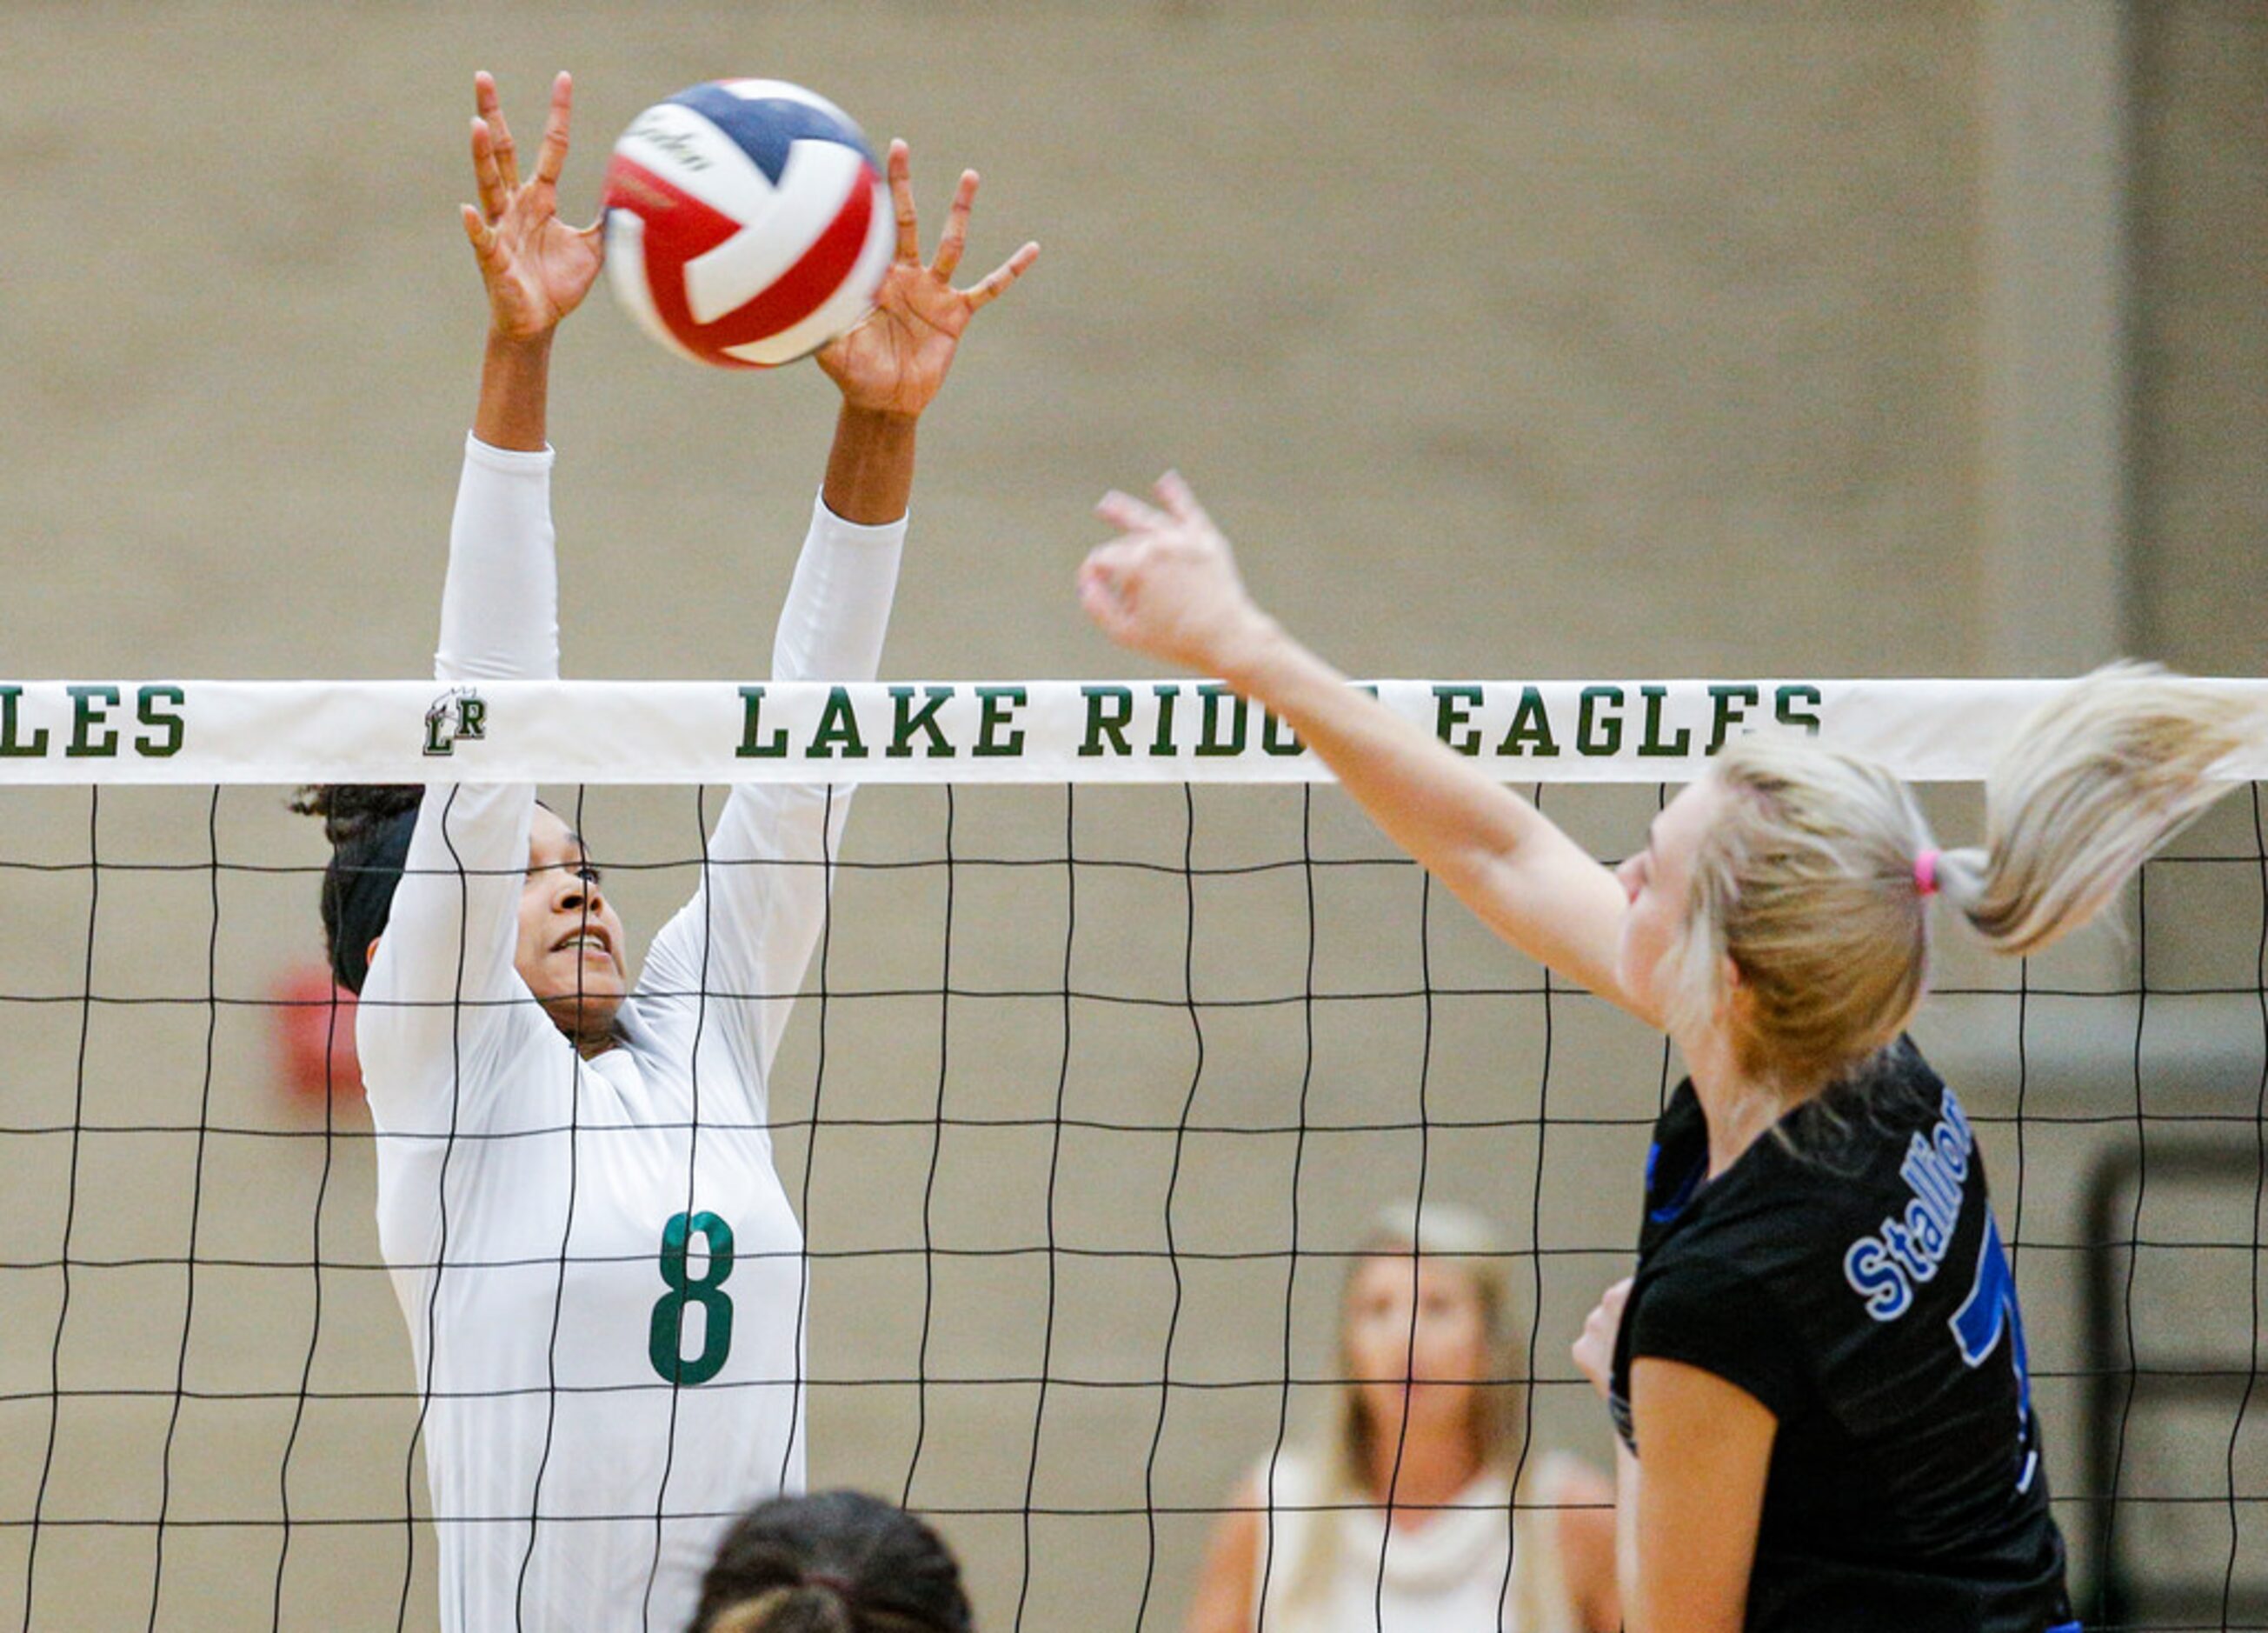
point(2201, 243)
point(1546, 339)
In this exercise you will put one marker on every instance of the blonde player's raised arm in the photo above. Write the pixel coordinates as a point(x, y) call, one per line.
point(1168, 585)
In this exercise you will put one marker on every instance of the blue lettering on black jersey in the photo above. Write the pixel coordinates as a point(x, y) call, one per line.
point(1885, 1267)
point(1663, 1212)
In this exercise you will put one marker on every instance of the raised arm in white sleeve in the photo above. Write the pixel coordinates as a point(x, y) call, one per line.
point(745, 936)
point(442, 983)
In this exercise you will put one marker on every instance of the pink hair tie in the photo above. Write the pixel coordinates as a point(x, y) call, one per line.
point(1926, 873)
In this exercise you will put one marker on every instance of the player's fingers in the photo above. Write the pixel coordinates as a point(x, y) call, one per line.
point(955, 237)
point(507, 155)
point(551, 157)
point(1100, 602)
point(1103, 583)
point(1181, 504)
point(1125, 511)
point(488, 175)
point(997, 281)
point(478, 232)
point(901, 171)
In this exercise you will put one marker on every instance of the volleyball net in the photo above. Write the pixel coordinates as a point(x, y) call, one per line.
point(1123, 1026)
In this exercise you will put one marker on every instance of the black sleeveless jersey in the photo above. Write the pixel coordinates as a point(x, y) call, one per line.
point(1846, 1271)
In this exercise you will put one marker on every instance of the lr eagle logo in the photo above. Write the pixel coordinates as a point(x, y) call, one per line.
point(456, 716)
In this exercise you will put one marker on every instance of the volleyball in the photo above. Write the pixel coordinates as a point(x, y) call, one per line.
point(747, 223)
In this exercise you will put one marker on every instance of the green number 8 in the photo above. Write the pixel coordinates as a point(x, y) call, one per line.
point(667, 1332)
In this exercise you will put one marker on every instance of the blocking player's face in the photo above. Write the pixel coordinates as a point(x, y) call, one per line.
point(1658, 881)
point(1415, 1339)
point(570, 941)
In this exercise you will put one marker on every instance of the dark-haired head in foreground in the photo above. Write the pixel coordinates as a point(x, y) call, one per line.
point(833, 1561)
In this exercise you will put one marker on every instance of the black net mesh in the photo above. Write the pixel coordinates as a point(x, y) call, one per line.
point(1091, 1097)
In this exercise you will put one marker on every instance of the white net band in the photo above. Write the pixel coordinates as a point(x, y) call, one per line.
point(1148, 731)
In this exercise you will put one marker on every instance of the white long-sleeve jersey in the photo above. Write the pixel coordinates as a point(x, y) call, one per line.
point(600, 1270)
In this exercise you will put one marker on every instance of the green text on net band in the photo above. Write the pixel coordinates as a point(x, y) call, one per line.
point(1029, 731)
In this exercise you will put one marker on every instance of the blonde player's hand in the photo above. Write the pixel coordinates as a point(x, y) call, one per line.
point(1168, 585)
point(1594, 1350)
point(537, 267)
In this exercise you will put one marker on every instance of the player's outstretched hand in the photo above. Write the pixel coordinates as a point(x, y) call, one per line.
point(1594, 1350)
point(1168, 585)
point(537, 267)
point(896, 360)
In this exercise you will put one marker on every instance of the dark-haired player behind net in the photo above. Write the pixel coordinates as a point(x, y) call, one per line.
point(597, 1262)
point(1819, 1372)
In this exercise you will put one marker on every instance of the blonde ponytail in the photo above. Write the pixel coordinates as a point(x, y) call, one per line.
point(2093, 784)
point(1815, 883)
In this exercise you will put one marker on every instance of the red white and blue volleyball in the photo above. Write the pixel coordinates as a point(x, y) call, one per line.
point(747, 224)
